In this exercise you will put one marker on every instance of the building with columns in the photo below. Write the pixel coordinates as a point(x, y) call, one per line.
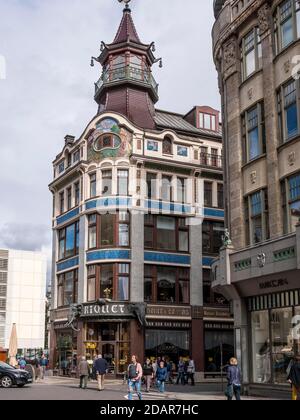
point(256, 45)
point(137, 220)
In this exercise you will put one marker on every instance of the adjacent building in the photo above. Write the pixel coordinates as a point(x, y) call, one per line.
point(256, 47)
point(137, 220)
point(22, 298)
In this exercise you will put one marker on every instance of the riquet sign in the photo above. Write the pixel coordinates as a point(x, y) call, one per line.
point(107, 310)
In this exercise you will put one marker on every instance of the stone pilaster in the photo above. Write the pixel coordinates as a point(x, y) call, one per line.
point(137, 257)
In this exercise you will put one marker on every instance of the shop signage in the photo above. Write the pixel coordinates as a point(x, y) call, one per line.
point(107, 310)
point(272, 284)
point(168, 324)
point(91, 346)
point(218, 326)
point(168, 312)
point(216, 313)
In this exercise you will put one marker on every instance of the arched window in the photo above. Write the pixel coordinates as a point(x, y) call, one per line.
point(167, 146)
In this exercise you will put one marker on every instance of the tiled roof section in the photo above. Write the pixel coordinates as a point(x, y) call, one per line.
point(164, 119)
point(127, 30)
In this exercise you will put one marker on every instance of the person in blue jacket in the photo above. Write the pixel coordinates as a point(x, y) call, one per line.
point(161, 376)
point(234, 380)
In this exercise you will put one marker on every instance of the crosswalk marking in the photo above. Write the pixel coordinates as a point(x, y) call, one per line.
point(149, 396)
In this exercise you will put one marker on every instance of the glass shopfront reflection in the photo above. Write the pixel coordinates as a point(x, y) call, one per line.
point(167, 343)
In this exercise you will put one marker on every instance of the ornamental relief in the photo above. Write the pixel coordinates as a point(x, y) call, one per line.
point(230, 54)
point(292, 158)
point(264, 18)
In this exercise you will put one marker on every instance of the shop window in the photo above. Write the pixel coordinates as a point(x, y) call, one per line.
point(68, 241)
point(287, 24)
point(251, 53)
point(261, 347)
point(167, 343)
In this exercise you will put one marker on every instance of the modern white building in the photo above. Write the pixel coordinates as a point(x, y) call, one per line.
point(22, 297)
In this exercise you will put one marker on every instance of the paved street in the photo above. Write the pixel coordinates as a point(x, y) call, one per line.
point(67, 389)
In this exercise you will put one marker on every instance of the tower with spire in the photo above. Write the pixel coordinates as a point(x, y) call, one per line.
point(127, 85)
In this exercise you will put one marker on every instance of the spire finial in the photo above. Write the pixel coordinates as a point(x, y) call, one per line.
point(126, 3)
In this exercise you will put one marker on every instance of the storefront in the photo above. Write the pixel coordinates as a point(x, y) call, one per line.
point(275, 335)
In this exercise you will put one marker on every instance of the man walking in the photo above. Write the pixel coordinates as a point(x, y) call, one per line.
point(181, 372)
point(43, 366)
point(161, 376)
point(135, 373)
point(84, 371)
point(191, 371)
point(101, 368)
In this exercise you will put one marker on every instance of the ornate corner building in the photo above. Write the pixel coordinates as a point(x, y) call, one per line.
point(256, 45)
point(137, 220)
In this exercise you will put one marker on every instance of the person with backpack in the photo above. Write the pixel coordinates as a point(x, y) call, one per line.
point(234, 380)
point(148, 373)
point(135, 373)
point(22, 363)
point(161, 376)
point(294, 377)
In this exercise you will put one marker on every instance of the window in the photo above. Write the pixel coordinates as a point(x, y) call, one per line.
point(253, 130)
point(123, 282)
point(208, 121)
point(256, 215)
point(106, 182)
point(152, 146)
point(109, 230)
point(208, 198)
point(77, 193)
point(251, 53)
point(288, 109)
point(61, 167)
point(93, 185)
point(69, 198)
point(91, 283)
point(107, 281)
point(167, 285)
point(76, 156)
point(166, 233)
point(151, 180)
point(166, 188)
point(122, 182)
point(181, 190)
point(167, 146)
point(287, 24)
point(68, 241)
point(204, 156)
point(220, 196)
point(291, 202)
point(212, 233)
point(182, 151)
point(62, 202)
point(67, 288)
point(214, 157)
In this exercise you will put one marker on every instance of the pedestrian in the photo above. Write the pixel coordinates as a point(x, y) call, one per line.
point(234, 380)
point(22, 363)
point(84, 372)
point(181, 371)
point(191, 371)
point(294, 378)
point(161, 376)
point(168, 365)
point(135, 373)
point(43, 366)
point(148, 373)
point(101, 368)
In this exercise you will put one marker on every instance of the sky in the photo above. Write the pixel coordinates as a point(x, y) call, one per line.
point(49, 86)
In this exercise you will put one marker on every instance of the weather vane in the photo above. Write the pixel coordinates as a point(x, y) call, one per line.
point(126, 3)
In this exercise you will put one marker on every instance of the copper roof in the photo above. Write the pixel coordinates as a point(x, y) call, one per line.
point(127, 30)
point(165, 119)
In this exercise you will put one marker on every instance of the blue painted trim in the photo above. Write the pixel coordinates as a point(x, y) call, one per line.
point(173, 207)
point(108, 254)
point(167, 258)
point(214, 213)
point(109, 202)
point(65, 265)
point(207, 261)
point(67, 216)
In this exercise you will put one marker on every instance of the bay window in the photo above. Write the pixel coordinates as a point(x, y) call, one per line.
point(67, 288)
point(251, 53)
point(290, 189)
point(68, 241)
point(212, 233)
point(253, 131)
point(91, 283)
point(167, 285)
point(257, 217)
point(287, 24)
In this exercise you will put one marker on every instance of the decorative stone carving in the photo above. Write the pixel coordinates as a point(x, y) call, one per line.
point(250, 94)
point(230, 57)
point(261, 259)
point(292, 158)
point(287, 66)
point(253, 177)
point(226, 239)
point(264, 18)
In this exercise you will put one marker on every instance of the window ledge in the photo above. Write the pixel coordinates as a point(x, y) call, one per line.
point(249, 78)
point(284, 50)
point(260, 157)
point(288, 142)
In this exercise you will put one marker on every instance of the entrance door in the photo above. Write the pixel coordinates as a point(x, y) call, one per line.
point(109, 354)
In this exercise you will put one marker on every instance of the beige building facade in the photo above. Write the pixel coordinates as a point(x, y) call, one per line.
point(256, 46)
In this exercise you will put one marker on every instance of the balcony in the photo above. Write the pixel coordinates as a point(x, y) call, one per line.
point(130, 74)
point(212, 161)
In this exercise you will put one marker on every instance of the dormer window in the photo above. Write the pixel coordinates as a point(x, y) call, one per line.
point(167, 146)
point(208, 121)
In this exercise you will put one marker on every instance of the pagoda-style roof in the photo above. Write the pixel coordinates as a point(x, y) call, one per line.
point(127, 31)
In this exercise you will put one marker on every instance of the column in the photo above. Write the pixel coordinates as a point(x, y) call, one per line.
point(137, 257)
point(82, 283)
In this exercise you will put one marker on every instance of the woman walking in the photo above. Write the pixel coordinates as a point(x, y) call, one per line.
point(294, 378)
point(234, 380)
point(148, 374)
point(161, 376)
